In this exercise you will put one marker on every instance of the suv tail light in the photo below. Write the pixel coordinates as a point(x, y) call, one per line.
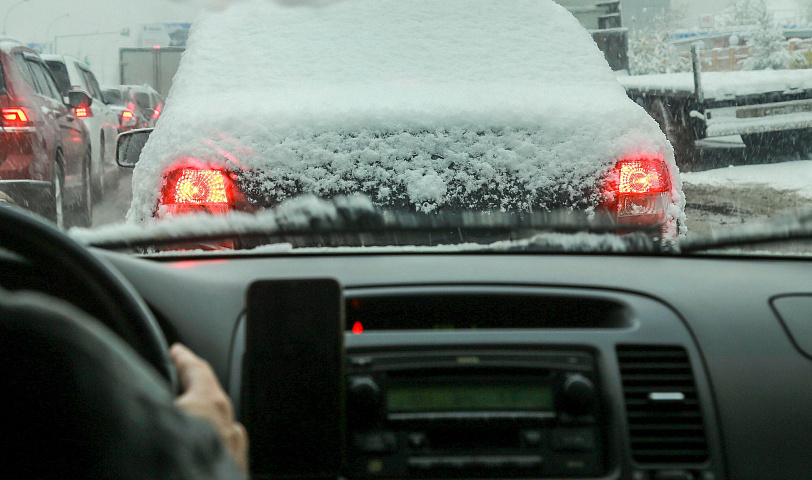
point(16, 118)
point(83, 112)
point(157, 112)
point(638, 187)
point(128, 116)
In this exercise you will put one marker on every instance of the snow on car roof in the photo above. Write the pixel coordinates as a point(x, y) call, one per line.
point(437, 102)
point(724, 85)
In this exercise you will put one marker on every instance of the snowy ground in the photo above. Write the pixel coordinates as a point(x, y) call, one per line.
point(718, 199)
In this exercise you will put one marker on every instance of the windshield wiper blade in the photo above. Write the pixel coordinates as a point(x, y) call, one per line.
point(792, 228)
point(346, 223)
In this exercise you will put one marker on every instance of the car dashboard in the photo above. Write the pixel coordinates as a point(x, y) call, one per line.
point(512, 365)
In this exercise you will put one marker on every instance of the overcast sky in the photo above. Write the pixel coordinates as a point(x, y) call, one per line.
point(30, 22)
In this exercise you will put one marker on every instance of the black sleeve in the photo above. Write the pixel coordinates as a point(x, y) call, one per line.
point(84, 404)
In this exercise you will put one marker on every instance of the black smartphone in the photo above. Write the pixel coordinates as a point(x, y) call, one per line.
point(293, 378)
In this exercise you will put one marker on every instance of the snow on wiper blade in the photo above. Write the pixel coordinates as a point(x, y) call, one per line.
point(347, 221)
point(795, 227)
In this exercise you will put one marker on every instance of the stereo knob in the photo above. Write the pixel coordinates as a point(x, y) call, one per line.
point(364, 400)
point(579, 394)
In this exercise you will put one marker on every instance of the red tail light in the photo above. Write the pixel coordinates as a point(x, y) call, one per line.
point(199, 187)
point(128, 116)
point(157, 112)
point(637, 188)
point(196, 187)
point(15, 117)
point(641, 176)
point(82, 112)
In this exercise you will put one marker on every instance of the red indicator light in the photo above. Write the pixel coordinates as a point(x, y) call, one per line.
point(357, 328)
point(641, 176)
point(14, 117)
point(82, 112)
point(200, 187)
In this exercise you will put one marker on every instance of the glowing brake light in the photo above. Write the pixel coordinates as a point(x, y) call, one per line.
point(157, 112)
point(128, 116)
point(200, 187)
point(15, 117)
point(637, 188)
point(641, 176)
point(82, 112)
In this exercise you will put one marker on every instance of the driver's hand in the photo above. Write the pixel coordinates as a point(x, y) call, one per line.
point(204, 397)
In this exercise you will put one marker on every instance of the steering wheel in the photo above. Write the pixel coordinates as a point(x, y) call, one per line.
point(89, 283)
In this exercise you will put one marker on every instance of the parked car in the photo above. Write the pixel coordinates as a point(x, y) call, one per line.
point(556, 134)
point(45, 162)
point(100, 120)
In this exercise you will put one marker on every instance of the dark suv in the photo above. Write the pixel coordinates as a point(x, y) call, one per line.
point(44, 148)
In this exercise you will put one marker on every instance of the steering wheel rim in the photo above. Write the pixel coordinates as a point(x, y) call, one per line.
point(114, 300)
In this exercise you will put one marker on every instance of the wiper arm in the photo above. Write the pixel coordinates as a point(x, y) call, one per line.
point(345, 222)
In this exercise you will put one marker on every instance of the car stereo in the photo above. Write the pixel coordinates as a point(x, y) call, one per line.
point(473, 414)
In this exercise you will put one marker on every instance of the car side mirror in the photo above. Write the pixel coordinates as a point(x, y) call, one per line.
point(129, 146)
point(79, 98)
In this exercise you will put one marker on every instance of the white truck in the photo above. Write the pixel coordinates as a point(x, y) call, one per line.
point(770, 109)
point(153, 66)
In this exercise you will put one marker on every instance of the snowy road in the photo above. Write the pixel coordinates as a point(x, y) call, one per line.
point(113, 207)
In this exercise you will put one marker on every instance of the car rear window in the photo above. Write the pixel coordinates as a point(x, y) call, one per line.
point(113, 97)
point(61, 76)
point(143, 100)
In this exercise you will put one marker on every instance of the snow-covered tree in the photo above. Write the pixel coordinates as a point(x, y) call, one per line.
point(650, 51)
point(762, 33)
point(741, 13)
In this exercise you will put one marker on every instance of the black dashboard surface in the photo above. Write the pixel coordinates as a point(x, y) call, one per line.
point(754, 381)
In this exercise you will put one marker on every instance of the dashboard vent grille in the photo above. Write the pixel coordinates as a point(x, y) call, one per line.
point(662, 405)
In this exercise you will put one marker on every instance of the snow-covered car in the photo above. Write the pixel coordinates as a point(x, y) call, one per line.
point(101, 121)
point(422, 106)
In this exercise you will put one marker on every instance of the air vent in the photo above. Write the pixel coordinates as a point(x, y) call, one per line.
point(665, 420)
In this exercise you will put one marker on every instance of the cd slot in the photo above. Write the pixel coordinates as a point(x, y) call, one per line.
point(471, 416)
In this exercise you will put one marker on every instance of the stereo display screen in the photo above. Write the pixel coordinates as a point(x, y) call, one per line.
point(447, 398)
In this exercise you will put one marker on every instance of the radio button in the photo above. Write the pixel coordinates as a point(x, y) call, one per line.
point(417, 440)
point(419, 463)
point(533, 438)
point(490, 462)
point(573, 439)
point(379, 442)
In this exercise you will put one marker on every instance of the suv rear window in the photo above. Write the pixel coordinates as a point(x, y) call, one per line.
point(60, 75)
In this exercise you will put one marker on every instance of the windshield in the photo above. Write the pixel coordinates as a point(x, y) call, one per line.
point(590, 124)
